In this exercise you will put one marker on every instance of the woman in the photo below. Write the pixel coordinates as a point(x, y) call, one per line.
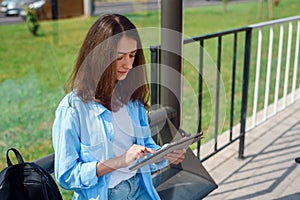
point(101, 126)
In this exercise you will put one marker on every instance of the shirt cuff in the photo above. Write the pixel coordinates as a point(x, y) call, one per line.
point(88, 174)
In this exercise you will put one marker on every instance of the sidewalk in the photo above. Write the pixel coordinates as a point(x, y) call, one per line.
point(268, 170)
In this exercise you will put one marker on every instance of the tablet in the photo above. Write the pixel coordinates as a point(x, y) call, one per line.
point(183, 143)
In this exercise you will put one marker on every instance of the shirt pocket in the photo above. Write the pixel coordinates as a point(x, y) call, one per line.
point(90, 153)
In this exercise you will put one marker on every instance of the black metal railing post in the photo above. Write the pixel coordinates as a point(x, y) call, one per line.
point(233, 86)
point(154, 75)
point(217, 105)
point(245, 92)
point(200, 95)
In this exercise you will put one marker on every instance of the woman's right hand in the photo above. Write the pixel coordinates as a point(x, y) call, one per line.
point(135, 152)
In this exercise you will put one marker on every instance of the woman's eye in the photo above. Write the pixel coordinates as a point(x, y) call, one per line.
point(132, 55)
point(120, 58)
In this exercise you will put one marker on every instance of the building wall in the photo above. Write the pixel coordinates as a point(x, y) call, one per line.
point(65, 9)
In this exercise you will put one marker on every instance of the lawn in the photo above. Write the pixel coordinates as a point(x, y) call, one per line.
point(34, 69)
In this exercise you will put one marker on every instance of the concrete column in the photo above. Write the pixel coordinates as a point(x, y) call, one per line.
point(171, 56)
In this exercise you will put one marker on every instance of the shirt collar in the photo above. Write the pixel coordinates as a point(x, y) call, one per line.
point(99, 108)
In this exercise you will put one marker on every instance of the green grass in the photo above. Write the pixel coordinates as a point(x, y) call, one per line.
point(33, 70)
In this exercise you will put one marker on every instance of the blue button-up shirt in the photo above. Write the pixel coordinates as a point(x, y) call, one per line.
point(83, 135)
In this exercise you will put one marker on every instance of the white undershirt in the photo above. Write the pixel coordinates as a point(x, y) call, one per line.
point(123, 140)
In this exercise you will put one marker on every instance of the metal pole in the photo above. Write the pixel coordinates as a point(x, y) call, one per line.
point(245, 93)
point(171, 56)
point(217, 105)
point(154, 75)
point(200, 96)
point(54, 9)
point(87, 7)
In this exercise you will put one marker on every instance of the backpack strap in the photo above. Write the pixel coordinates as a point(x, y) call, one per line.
point(17, 154)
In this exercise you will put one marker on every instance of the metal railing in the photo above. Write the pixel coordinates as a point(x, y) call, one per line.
point(245, 93)
point(275, 59)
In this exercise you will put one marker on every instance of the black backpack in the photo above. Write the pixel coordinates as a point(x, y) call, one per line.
point(26, 181)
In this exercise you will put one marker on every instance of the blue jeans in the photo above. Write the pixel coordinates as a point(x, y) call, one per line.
point(130, 189)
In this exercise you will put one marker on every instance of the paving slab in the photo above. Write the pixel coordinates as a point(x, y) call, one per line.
point(268, 170)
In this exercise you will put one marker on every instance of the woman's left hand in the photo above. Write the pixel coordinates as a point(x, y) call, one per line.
point(176, 157)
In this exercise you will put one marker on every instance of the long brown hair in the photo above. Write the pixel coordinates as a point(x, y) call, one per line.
point(94, 75)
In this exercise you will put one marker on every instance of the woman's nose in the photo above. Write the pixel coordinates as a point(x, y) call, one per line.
point(128, 62)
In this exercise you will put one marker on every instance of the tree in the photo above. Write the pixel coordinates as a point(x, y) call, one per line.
point(261, 8)
point(225, 4)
